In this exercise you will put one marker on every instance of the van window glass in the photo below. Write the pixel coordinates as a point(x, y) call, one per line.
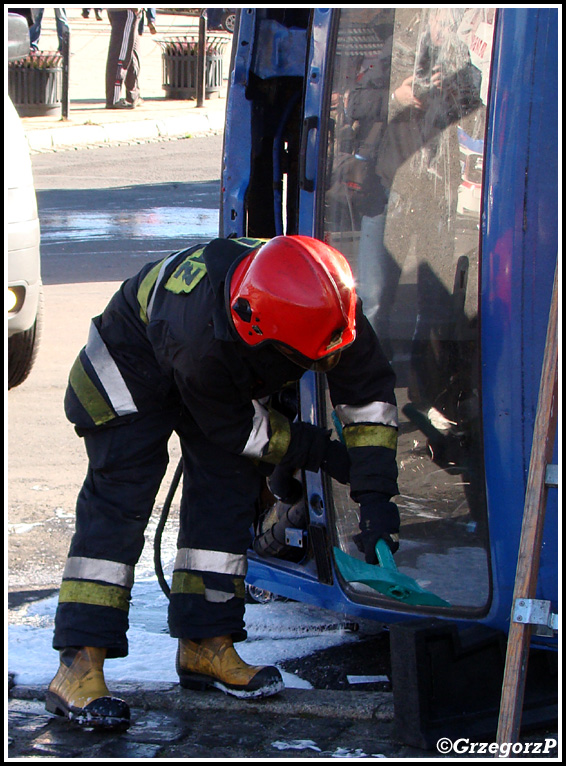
point(402, 191)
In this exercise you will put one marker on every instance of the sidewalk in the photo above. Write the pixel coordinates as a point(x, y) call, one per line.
point(175, 724)
point(169, 722)
point(90, 123)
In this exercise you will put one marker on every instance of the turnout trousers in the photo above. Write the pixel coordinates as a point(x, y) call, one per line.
point(123, 63)
point(127, 462)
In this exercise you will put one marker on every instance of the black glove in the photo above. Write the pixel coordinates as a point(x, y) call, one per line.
point(284, 486)
point(308, 447)
point(312, 448)
point(379, 520)
point(336, 461)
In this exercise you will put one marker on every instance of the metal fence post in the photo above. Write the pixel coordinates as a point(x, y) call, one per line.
point(201, 60)
point(66, 53)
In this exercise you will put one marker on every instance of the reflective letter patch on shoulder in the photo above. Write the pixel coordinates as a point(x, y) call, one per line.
point(251, 243)
point(184, 278)
point(152, 280)
point(188, 274)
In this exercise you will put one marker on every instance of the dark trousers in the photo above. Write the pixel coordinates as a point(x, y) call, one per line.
point(127, 462)
point(123, 63)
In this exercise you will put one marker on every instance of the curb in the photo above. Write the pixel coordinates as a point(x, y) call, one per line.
point(84, 135)
point(313, 703)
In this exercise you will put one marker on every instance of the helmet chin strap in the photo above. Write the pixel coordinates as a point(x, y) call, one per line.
point(326, 364)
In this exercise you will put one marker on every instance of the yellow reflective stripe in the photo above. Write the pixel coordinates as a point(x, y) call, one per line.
point(240, 587)
point(188, 273)
point(187, 582)
point(145, 288)
point(94, 593)
point(370, 436)
point(270, 435)
point(89, 396)
point(280, 437)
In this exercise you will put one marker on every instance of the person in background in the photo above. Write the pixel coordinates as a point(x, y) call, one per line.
point(97, 12)
point(61, 23)
point(149, 15)
point(123, 63)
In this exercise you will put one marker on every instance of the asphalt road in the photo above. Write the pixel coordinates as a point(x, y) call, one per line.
point(104, 213)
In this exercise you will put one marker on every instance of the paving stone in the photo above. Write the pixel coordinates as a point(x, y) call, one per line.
point(173, 726)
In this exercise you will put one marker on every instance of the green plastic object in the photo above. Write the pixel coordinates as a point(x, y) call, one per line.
point(385, 577)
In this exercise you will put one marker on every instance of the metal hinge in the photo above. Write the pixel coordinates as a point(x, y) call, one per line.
point(295, 538)
point(551, 477)
point(532, 611)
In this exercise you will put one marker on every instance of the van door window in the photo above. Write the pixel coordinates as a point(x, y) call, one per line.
point(402, 192)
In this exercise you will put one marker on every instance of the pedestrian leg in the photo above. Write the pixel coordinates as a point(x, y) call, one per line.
point(61, 24)
point(124, 25)
point(35, 29)
point(131, 80)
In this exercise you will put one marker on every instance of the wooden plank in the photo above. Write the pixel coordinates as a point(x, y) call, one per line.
point(528, 561)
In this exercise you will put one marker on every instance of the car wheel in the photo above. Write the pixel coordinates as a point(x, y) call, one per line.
point(229, 21)
point(23, 348)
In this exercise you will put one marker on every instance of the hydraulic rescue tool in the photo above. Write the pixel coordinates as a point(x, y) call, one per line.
point(385, 577)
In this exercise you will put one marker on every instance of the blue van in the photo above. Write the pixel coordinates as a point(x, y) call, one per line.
point(423, 144)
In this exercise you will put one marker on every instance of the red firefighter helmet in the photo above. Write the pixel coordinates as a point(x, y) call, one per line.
point(297, 293)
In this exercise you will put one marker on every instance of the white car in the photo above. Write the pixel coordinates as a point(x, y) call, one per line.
point(24, 292)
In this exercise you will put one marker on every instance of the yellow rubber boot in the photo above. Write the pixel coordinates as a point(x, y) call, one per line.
point(214, 662)
point(79, 692)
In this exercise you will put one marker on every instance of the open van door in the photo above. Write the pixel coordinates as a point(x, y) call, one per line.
point(422, 144)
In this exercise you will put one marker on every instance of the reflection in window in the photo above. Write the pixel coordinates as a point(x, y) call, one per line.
point(402, 202)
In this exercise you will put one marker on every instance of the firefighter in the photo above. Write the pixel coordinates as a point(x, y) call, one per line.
point(196, 344)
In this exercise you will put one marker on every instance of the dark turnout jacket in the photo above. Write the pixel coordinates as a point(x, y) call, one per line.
point(165, 338)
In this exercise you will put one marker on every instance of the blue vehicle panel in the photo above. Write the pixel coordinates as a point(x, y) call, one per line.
point(520, 235)
point(444, 199)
